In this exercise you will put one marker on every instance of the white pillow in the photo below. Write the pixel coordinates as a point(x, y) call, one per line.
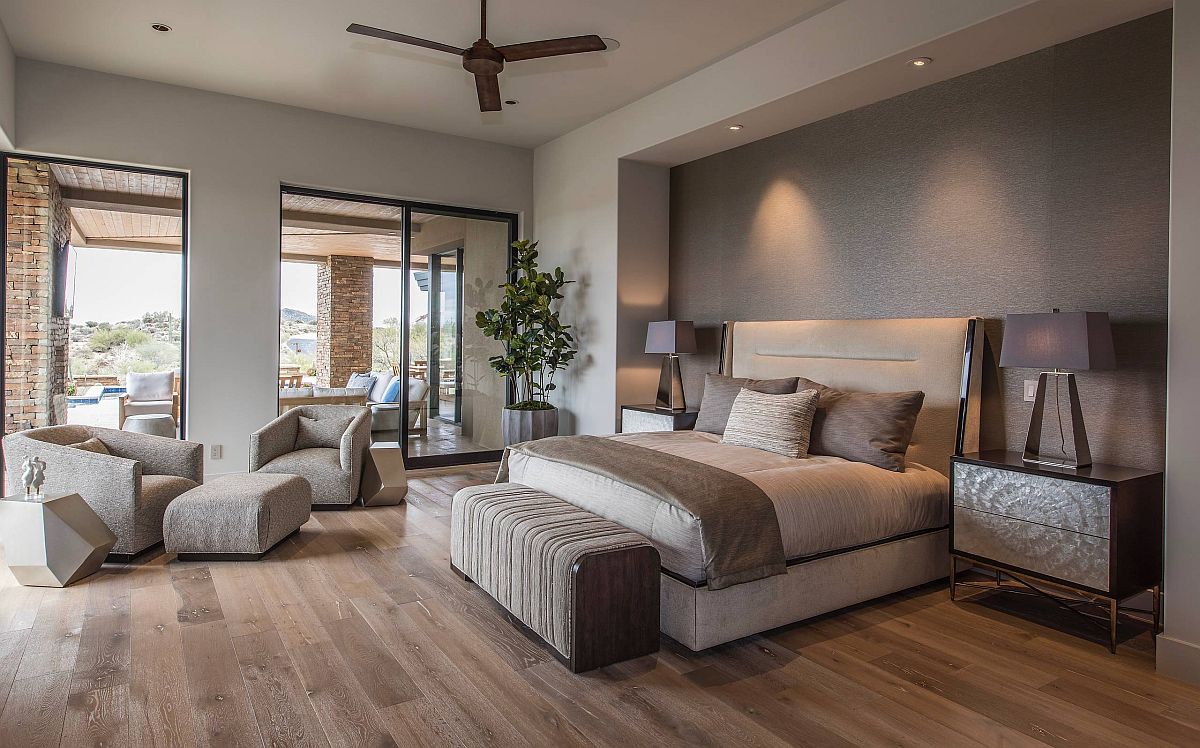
point(156, 385)
point(340, 391)
point(773, 423)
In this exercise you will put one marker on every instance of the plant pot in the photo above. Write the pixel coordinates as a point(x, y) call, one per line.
point(527, 425)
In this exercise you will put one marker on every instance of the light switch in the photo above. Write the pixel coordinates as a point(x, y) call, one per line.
point(215, 452)
point(1030, 390)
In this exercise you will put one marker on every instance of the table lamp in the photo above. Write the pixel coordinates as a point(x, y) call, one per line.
point(1056, 341)
point(671, 338)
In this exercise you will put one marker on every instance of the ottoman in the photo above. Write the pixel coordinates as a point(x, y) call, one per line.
point(236, 517)
point(586, 586)
point(154, 424)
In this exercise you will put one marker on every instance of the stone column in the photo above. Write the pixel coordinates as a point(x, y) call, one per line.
point(35, 344)
point(344, 329)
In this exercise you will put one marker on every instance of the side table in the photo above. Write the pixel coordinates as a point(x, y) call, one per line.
point(52, 542)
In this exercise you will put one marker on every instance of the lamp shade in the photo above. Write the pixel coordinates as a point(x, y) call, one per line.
point(1058, 340)
point(671, 336)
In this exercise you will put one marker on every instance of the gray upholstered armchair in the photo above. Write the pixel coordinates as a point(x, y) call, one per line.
point(128, 478)
point(324, 444)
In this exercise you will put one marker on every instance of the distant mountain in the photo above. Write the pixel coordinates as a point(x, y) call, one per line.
point(295, 315)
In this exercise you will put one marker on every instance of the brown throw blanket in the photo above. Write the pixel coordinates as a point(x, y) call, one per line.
point(738, 525)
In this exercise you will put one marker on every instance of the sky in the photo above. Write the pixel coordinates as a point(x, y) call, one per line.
point(113, 285)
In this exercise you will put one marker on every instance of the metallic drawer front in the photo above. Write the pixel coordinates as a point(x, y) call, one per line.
point(637, 421)
point(1070, 556)
point(1065, 504)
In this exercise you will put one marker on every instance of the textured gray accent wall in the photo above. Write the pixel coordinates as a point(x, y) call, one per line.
point(1041, 182)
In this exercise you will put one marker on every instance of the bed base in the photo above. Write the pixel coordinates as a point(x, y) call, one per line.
point(699, 618)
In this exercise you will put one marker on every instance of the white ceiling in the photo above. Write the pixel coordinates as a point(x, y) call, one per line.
point(297, 52)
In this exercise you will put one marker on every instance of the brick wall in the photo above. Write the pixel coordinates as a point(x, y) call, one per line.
point(33, 374)
point(344, 329)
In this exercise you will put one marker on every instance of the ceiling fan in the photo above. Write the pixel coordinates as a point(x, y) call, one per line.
point(484, 60)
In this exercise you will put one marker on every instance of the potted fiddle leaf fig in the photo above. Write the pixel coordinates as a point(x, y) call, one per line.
point(537, 344)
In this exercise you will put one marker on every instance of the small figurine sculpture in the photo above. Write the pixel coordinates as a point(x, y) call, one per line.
point(33, 475)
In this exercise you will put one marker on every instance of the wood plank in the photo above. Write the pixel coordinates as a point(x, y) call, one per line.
point(199, 603)
point(217, 694)
point(104, 643)
point(19, 605)
point(281, 705)
point(341, 704)
point(53, 642)
point(159, 707)
point(380, 675)
point(12, 647)
point(453, 711)
point(99, 717)
point(241, 603)
point(34, 713)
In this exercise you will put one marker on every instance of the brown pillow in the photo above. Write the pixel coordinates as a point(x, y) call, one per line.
point(91, 445)
point(720, 392)
point(870, 427)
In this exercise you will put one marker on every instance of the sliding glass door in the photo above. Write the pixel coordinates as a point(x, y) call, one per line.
point(391, 308)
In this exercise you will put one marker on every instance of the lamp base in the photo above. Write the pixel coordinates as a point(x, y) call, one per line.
point(1033, 442)
point(670, 385)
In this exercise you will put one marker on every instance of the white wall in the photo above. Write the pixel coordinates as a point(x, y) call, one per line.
point(1179, 646)
point(8, 90)
point(238, 151)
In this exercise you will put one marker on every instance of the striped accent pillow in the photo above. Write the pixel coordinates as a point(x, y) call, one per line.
point(774, 423)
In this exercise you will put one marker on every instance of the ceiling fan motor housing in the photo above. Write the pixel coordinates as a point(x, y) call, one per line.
point(483, 59)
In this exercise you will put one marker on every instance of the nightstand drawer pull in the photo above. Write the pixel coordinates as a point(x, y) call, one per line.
point(1066, 504)
point(1069, 556)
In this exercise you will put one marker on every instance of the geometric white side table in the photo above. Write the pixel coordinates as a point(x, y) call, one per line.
point(53, 542)
point(384, 480)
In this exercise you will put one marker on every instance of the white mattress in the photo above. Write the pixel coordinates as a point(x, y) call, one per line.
point(823, 503)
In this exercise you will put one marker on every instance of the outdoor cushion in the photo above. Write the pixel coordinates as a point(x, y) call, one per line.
point(380, 387)
point(286, 392)
point(393, 392)
point(157, 385)
point(340, 391)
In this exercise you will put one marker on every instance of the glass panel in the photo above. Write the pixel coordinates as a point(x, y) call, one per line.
point(94, 296)
point(456, 400)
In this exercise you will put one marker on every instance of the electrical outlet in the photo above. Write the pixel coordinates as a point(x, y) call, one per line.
point(215, 452)
point(1030, 390)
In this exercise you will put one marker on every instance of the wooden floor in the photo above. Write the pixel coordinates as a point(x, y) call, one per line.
point(355, 632)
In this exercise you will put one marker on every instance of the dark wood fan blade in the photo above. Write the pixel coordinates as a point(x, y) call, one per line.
point(552, 47)
point(488, 87)
point(392, 36)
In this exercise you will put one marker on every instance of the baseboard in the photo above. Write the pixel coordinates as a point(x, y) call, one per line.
point(1177, 659)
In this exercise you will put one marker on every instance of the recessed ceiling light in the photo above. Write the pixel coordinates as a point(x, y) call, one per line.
point(160, 27)
point(511, 102)
point(735, 128)
point(920, 62)
point(610, 44)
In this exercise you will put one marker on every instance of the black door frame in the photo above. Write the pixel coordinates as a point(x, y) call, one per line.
point(183, 303)
point(408, 208)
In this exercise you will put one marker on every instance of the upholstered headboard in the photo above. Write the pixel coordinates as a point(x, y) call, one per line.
point(941, 357)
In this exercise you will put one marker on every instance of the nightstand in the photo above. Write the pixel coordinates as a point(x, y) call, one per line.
point(638, 418)
point(1095, 532)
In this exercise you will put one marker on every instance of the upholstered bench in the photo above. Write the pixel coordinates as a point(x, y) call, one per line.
point(236, 517)
point(582, 584)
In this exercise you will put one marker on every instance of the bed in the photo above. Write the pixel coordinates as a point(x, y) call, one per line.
point(850, 532)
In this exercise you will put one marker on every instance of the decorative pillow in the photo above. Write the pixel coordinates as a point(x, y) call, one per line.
point(393, 392)
point(871, 427)
point(719, 394)
point(143, 387)
point(312, 433)
point(361, 381)
point(91, 445)
point(774, 423)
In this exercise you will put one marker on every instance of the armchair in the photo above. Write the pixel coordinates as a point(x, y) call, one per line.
point(152, 393)
point(324, 444)
point(129, 487)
